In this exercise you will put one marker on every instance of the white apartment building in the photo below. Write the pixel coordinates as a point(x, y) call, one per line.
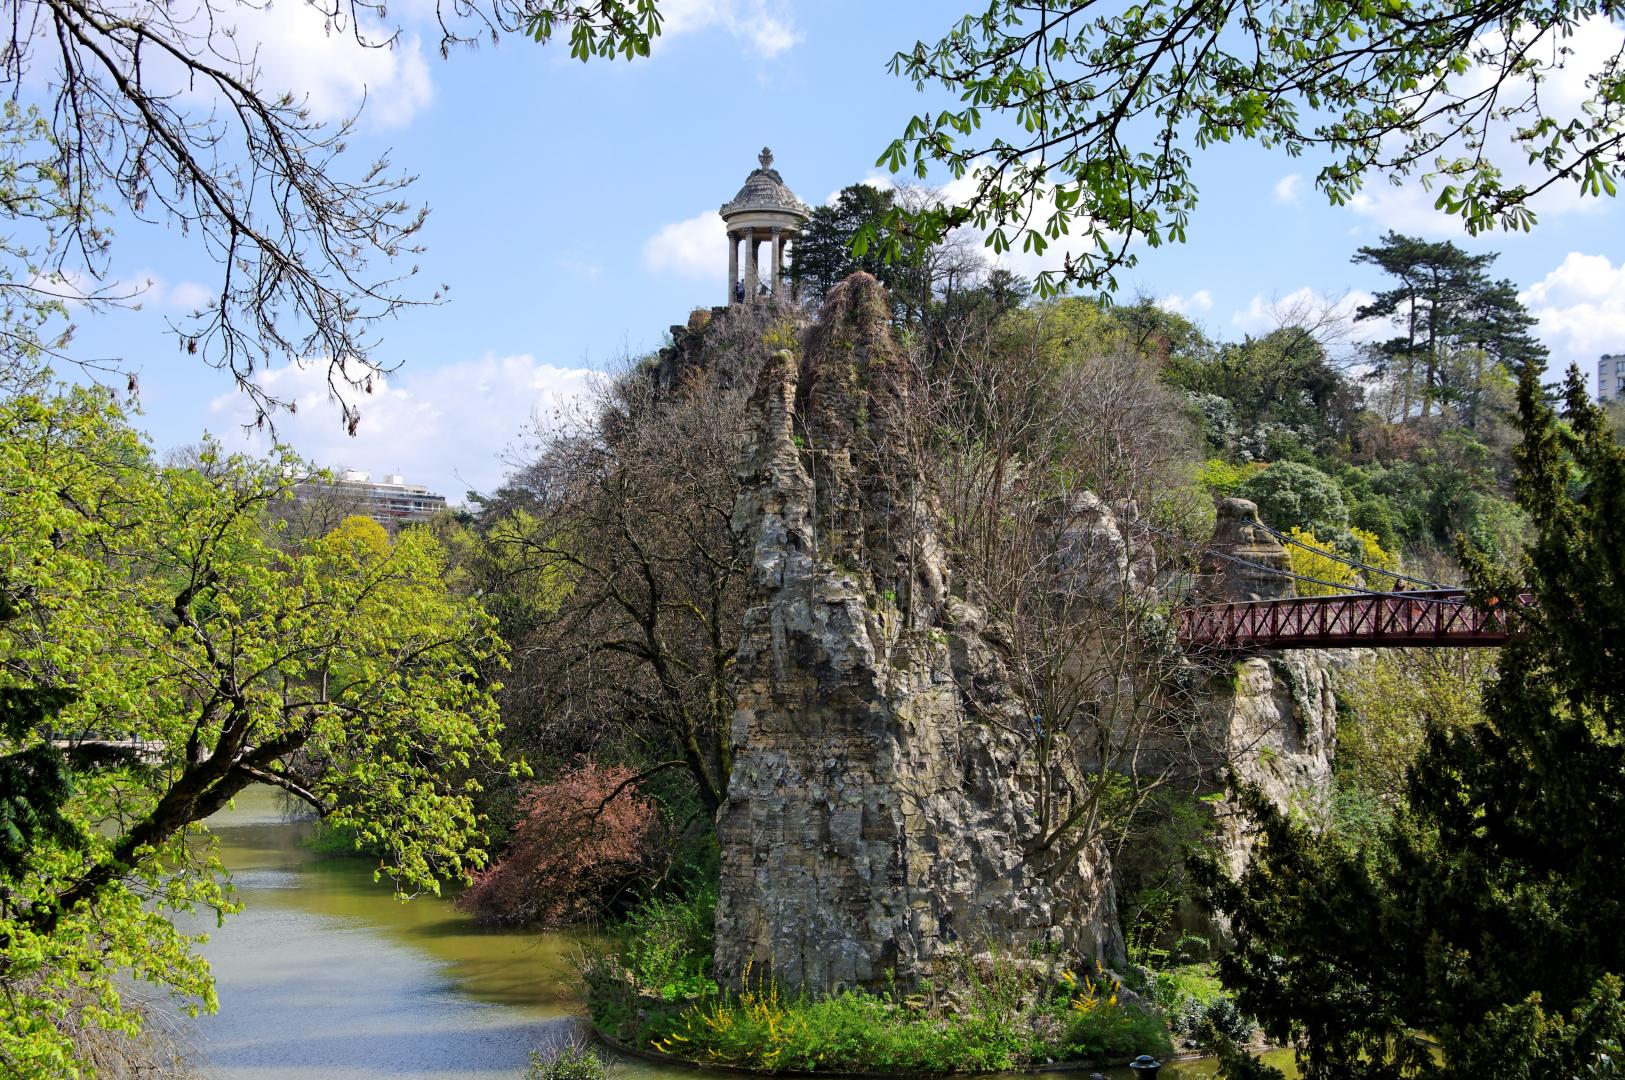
point(391, 502)
point(1611, 378)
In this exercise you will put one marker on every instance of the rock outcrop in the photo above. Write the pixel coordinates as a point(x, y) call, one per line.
point(1255, 558)
point(883, 800)
point(1272, 719)
point(1276, 727)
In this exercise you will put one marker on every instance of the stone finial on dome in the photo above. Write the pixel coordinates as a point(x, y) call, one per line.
point(766, 158)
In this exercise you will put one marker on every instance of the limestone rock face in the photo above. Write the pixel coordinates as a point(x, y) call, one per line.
point(1275, 723)
point(1283, 722)
point(1277, 727)
point(1253, 554)
point(882, 800)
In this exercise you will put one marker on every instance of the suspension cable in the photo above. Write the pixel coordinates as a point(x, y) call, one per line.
point(1287, 538)
point(1278, 572)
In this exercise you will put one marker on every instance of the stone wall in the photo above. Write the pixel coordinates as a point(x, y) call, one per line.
point(882, 800)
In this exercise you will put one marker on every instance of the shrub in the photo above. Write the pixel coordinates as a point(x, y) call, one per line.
point(1199, 1012)
point(667, 944)
point(574, 845)
point(1291, 495)
point(1001, 1012)
point(1224, 479)
point(1355, 543)
point(1311, 564)
point(1116, 1031)
point(1003, 1018)
point(573, 1060)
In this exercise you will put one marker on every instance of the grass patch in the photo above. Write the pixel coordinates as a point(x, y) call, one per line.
point(984, 1028)
point(1199, 1012)
point(994, 1013)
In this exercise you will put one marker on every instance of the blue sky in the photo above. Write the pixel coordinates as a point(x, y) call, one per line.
point(572, 217)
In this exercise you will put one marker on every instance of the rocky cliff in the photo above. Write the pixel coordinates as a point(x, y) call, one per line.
point(883, 799)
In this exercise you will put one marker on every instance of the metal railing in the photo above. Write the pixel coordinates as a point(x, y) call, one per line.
point(1440, 617)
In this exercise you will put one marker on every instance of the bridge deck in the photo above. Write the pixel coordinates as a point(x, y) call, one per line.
point(1440, 617)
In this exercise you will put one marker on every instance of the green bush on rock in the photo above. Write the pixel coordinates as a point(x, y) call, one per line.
point(667, 944)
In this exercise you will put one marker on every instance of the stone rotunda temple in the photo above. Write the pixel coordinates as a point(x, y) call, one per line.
point(763, 211)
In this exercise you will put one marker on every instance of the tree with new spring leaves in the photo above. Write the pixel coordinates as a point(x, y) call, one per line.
point(1079, 117)
point(170, 648)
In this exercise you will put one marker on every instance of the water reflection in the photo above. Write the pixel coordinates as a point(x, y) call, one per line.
point(325, 975)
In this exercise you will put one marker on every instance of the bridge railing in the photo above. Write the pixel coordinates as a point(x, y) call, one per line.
point(1424, 617)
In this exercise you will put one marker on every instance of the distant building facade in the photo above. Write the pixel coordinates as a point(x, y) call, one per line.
point(1611, 378)
point(391, 502)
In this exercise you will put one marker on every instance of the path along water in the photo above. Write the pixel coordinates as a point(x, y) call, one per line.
point(325, 976)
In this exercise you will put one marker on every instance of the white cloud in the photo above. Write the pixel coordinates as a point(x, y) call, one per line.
point(1407, 208)
point(688, 248)
point(188, 295)
point(150, 290)
point(579, 267)
point(71, 287)
point(142, 288)
point(446, 427)
point(333, 72)
point(1564, 94)
point(878, 180)
point(1289, 188)
point(765, 25)
point(1581, 308)
point(319, 62)
point(1078, 241)
point(1198, 301)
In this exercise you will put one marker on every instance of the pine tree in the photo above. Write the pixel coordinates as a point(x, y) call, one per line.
point(1455, 323)
point(822, 256)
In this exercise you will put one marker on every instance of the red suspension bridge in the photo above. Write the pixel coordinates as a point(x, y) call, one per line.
point(1437, 617)
point(1249, 558)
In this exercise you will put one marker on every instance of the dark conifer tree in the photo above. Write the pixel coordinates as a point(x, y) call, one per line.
point(822, 256)
point(1446, 305)
point(1484, 922)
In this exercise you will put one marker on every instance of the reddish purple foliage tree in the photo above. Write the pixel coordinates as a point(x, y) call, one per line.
point(578, 840)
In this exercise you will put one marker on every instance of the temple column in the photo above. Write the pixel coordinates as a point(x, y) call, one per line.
point(778, 260)
point(795, 285)
point(733, 265)
point(750, 266)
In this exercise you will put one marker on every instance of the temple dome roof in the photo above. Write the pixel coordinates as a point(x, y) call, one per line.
point(765, 190)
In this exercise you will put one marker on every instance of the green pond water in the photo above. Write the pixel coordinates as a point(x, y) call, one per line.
point(326, 976)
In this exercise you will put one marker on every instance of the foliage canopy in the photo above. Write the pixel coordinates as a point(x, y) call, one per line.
point(1082, 117)
point(165, 650)
point(1484, 913)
